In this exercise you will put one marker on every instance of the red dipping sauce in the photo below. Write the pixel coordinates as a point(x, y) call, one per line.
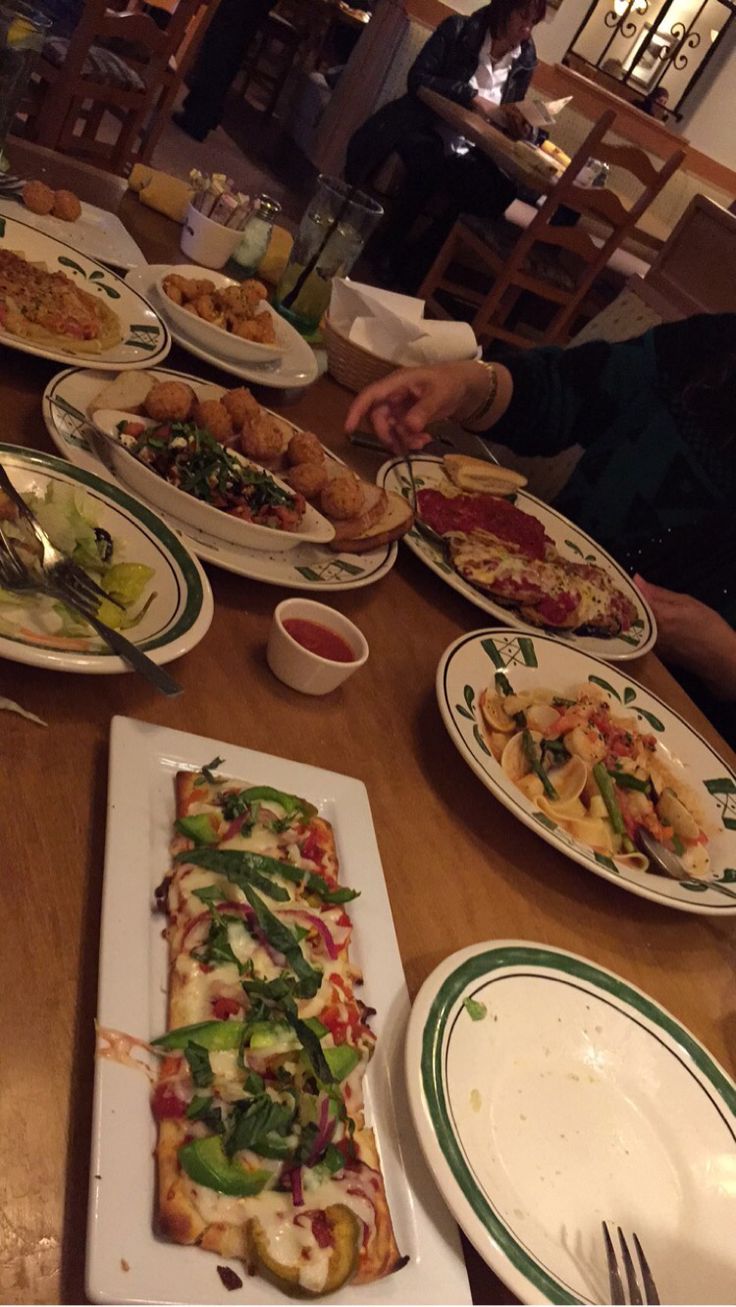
point(486, 513)
point(319, 639)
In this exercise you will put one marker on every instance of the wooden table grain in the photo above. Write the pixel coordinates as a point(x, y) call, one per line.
point(459, 868)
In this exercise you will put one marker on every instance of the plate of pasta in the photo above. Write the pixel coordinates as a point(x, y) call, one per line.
point(595, 764)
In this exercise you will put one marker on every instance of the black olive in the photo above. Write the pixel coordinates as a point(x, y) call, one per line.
point(104, 543)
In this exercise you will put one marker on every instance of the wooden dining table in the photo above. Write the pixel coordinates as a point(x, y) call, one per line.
point(459, 868)
point(533, 169)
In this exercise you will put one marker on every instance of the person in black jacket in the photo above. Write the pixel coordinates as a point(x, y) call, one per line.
point(218, 63)
point(484, 62)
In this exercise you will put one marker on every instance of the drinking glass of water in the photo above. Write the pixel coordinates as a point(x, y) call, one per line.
point(336, 225)
point(22, 33)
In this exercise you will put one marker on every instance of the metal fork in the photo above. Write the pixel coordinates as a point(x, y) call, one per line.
point(58, 567)
point(14, 575)
point(639, 1292)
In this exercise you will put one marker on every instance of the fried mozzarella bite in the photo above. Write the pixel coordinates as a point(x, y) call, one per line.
point(67, 206)
point(309, 479)
point(170, 401)
point(244, 299)
point(342, 497)
point(304, 447)
point(263, 439)
point(38, 197)
point(259, 329)
point(213, 415)
point(243, 408)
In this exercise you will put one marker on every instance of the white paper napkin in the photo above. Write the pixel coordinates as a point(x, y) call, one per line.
point(393, 326)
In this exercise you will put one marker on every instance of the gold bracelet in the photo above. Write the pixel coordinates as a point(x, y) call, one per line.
point(486, 404)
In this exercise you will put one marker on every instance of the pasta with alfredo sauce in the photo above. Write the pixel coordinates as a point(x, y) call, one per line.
point(594, 773)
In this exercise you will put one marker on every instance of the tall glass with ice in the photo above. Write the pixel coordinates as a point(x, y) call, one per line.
point(336, 225)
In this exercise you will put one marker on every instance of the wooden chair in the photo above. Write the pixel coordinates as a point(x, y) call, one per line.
point(556, 264)
point(117, 63)
point(291, 36)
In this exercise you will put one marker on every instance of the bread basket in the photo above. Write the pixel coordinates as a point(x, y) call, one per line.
point(350, 364)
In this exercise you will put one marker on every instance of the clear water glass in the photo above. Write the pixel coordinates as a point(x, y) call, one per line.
point(333, 232)
point(22, 34)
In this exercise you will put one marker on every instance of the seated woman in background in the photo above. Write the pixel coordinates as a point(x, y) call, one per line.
point(656, 482)
point(484, 62)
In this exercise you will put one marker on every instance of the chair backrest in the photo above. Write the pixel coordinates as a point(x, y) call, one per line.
point(618, 217)
point(144, 45)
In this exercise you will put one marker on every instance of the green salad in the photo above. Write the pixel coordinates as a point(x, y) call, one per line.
point(67, 515)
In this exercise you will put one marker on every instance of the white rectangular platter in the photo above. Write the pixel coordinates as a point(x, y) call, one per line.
point(97, 233)
point(126, 1261)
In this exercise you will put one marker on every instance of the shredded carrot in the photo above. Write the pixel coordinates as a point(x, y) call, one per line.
point(55, 641)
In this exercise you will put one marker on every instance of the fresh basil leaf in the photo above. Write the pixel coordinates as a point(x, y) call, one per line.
point(333, 1159)
point(315, 884)
point(203, 1109)
point(216, 949)
point(208, 769)
point(199, 1065)
point(241, 868)
point(476, 1011)
point(281, 938)
point(312, 1047)
point(254, 1083)
point(209, 894)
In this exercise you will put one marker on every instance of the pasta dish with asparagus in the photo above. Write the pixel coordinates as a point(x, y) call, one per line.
point(594, 773)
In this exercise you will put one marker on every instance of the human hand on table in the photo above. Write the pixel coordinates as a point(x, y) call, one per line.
point(401, 406)
point(694, 636)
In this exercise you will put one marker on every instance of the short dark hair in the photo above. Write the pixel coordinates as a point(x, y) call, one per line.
point(501, 11)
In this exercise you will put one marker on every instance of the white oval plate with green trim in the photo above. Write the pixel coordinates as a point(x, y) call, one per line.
point(308, 567)
point(571, 542)
point(468, 666)
point(549, 1095)
point(178, 616)
point(145, 337)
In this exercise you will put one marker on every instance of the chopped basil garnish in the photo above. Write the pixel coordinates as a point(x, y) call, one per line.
point(199, 1065)
point(280, 937)
point(240, 867)
point(209, 768)
point(476, 1011)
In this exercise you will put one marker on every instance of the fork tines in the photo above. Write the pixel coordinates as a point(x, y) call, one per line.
point(637, 1294)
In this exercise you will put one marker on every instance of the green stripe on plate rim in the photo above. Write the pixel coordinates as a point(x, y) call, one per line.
point(443, 1005)
point(157, 528)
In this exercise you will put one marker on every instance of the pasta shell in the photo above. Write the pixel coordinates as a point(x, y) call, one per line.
point(514, 760)
point(569, 780)
point(494, 713)
point(674, 813)
point(540, 716)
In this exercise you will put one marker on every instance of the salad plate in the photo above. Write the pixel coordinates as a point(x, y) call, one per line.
point(550, 1095)
point(295, 369)
point(488, 659)
point(308, 567)
point(145, 339)
point(571, 543)
point(166, 595)
point(126, 1261)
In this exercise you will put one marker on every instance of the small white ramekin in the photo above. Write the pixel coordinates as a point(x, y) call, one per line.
point(298, 667)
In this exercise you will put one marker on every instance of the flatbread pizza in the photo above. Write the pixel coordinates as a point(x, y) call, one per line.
point(263, 1151)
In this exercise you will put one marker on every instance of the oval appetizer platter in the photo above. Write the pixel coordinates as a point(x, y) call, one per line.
point(586, 757)
point(545, 572)
point(58, 304)
point(67, 402)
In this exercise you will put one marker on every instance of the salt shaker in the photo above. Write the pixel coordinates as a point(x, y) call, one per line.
point(256, 235)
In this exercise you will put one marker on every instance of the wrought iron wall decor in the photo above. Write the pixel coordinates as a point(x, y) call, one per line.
point(644, 44)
